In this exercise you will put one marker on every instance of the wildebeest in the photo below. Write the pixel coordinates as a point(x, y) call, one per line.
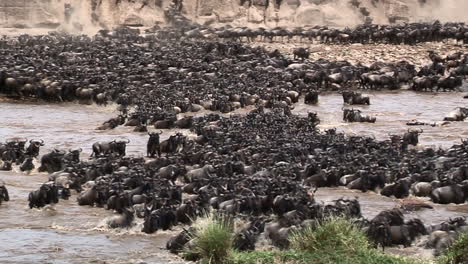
point(33, 148)
point(72, 156)
point(52, 161)
point(406, 233)
point(458, 114)
point(353, 98)
point(112, 147)
point(301, 53)
point(152, 147)
point(173, 144)
point(449, 194)
point(411, 138)
point(123, 220)
point(311, 97)
point(4, 197)
point(449, 83)
point(354, 115)
point(47, 194)
point(27, 165)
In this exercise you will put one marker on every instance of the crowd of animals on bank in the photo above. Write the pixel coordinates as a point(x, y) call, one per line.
point(409, 34)
point(163, 78)
point(263, 167)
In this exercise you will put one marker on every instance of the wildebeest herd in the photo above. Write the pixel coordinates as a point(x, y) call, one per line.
point(410, 34)
point(263, 167)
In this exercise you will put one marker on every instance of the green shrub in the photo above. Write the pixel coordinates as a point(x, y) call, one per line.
point(370, 256)
point(212, 239)
point(334, 234)
point(334, 241)
point(457, 253)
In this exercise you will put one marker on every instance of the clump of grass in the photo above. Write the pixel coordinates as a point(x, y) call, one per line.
point(335, 240)
point(457, 253)
point(335, 234)
point(370, 256)
point(212, 238)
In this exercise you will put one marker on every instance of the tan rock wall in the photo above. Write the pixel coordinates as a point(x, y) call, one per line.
point(35, 13)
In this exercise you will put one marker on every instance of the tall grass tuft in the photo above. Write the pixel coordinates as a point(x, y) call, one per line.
point(457, 253)
point(335, 234)
point(212, 238)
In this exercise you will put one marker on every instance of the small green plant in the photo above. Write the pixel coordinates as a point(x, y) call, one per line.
point(212, 239)
point(333, 241)
point(370, 256)
point(457, 253)
point(335, 233)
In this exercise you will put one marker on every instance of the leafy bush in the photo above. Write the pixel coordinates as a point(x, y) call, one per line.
point(333, 234)
point(370, 256)
point(212, 239)
point(458, 252)
point(334, 241)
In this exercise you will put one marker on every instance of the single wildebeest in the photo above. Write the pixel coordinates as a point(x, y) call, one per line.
point(73, 156)
point(411, 138)
point(152, 147)
point(47, 194)
point(406, 233)
point(353, 98)
point(458, 114)
point(33, 148)
point(27, 165)
point(52, 162)
point(354, 115)
point(301, 53)
point(103, 148)
point(3, 193)
point(311, 97)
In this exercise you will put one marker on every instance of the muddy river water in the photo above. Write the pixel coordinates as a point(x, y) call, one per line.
point(68, 233)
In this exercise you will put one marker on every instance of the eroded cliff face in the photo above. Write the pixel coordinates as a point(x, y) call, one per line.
point(90, 15)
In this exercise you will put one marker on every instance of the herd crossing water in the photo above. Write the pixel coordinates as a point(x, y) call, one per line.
point(70, 233)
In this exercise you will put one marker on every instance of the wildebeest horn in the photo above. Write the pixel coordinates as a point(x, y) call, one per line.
point(42, 141)
point(128, 140)
point(421, 130)
point(30, 141)
point(80, 150)
point(160, 132)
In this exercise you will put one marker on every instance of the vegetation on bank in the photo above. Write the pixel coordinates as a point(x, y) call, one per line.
point(457, 253)
point(212, 238)
point(336, 240)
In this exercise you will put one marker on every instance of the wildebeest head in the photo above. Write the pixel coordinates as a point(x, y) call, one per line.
point(34, 146)
point(21, 144)
point(154, 136)
point(74, 155)
point(120, 146)
point(52, 193)
point(416, 227)
point(412, 137)
point(3, 192)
